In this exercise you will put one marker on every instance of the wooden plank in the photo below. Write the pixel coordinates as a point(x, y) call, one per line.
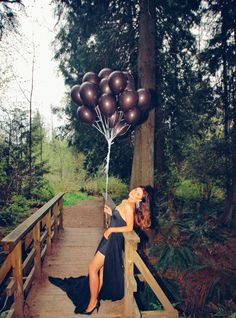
point(11, 287)
point(28, 281)
point(43, 236)
point(131, 236)
point(140, 277)
point(43, 252)
point(37, 257)
point(49, 232)
point(130, 283)
point(153, 283)
point(28, 261)
point(61, 213)
point(137, 313)
point(55, 210)
point(4, 269)
point(9, 241)
point(16, 259)
point(28, 239)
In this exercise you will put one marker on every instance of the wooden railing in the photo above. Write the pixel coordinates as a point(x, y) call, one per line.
point(133, 258)
point(26, 247)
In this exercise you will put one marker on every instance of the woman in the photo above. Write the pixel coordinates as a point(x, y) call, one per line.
point(105, 279)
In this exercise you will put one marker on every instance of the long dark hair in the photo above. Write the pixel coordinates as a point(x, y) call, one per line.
point(142, 216)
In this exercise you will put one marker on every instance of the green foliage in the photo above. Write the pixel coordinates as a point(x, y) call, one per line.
point(13, 212)
point(66, 166)
point(179, 258)
point(188, 190)
point(18, 204)
point(43, 192)
point(146, 299)
point(7, 218)
point(21, 189)
point(97, 186)
point(75, 198)
point(4, 314)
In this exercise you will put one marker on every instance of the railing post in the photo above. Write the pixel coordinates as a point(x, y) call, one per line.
point(55, 216)
point(131, 241)
point(61, 213)
point(49, 231)
point(16, 260)
point(37, 257)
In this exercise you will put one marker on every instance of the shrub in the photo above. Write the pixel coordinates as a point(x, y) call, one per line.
point(18, 204)
point(43, 192)
point(7, 218)
point(75, 198)
point(12, 212)
point(97, 186)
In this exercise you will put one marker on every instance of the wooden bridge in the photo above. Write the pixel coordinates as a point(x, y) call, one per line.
point(57, 243)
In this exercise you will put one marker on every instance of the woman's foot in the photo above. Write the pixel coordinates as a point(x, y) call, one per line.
point(91, 309)
point(91, 306)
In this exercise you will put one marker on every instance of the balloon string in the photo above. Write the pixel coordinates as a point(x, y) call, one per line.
point(96, 125)
point(101, 120)
point(109, 143)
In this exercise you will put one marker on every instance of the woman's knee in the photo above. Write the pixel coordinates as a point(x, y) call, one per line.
point(92, 268)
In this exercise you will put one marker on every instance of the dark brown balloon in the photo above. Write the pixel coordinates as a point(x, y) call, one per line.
point(91, 77)
point(144, 98)
point(120, 129)
point(143, 118)
point(113, 119)
point(89, 93)
point(130, 86)
point(105, 72)
point(104, 86)
point(132, 116)
point(86, 115)
point(130, 82)
point(127, 100)
point(107, 104)
point(117, 82)
point(75, 95)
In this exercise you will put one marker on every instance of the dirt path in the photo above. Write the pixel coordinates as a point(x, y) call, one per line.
point(85, 214)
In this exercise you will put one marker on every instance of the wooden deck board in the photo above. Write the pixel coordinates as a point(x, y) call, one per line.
point(70, 257)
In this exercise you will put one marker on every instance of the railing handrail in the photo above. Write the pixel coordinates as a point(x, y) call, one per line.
point(26, 247)
point(9, 241)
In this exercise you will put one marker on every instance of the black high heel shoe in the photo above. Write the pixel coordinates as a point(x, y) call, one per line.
point(91, 311)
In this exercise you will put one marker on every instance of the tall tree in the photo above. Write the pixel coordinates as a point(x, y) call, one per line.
point(143, 158)
point(220, 55)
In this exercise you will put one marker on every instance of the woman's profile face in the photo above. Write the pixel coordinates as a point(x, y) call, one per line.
point(136, 194)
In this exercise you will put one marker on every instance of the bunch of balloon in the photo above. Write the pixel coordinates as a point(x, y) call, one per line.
point(109, 102)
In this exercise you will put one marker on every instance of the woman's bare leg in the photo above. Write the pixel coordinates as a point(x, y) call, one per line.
point(94, 266)
point(101, 278)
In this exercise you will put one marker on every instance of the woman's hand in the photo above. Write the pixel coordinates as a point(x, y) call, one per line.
point(107, 233)
point(107, 209)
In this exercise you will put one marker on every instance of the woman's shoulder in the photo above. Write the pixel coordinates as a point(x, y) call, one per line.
point(128, 206)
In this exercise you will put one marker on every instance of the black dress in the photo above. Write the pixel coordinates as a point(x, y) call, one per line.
point(77, 288)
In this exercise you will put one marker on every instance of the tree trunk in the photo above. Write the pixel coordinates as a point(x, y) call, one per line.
point(229, 216)
point(143, 158)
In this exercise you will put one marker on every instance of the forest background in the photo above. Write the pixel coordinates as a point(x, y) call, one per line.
point(193, 50)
